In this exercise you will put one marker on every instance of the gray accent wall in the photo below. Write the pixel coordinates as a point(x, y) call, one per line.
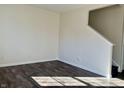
point(109, 22)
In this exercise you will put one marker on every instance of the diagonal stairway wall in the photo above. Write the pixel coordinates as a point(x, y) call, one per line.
point(108, 22)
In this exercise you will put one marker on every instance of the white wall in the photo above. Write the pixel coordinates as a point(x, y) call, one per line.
point(27, 34)
point(82, 46)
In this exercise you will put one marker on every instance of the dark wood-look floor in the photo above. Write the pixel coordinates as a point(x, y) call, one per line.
point(20, 76)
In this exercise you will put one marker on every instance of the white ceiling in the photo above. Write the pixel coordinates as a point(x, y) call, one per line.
point(66, 7)
point(59, 7)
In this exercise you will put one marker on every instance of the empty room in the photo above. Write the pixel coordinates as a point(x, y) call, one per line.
point(61, 45)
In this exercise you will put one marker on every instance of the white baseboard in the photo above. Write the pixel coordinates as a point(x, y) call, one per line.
point(26, 62)
point(38, 61)
point(108, 76)
point(116, 64)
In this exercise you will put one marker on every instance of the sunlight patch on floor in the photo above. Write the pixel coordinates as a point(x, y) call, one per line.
point(46, 81)
point(101, 81)
point(69, 81)
point(58, 81)
point(77, 81)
